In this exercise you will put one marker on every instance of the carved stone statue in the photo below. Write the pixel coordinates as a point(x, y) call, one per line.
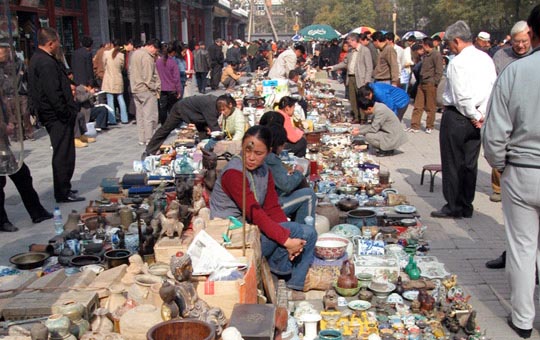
point(198, 199)
point(209, 162)
point(187, 300)
point(170, 223)
point(169, 308)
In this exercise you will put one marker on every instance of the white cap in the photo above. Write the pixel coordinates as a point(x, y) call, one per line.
point(484, 36)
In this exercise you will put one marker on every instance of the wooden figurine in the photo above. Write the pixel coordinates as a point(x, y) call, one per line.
point(330, 300)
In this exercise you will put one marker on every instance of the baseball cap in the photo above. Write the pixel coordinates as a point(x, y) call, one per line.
point(484, 36)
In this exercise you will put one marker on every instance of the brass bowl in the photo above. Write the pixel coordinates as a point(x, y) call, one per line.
point(29, 260)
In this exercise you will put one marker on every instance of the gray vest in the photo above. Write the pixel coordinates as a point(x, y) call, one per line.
point(222, 206)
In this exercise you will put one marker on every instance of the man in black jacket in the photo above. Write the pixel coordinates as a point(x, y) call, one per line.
point(199, 110)
point(216, 63)
point(81, 63)
point(50, 96)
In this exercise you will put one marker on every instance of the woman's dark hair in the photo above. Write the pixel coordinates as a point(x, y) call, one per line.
point(272, 117)
point(170, 49)
point(279, 136)
point(116, 47)
point(260, 132)
point(225, 100)
point(364, 91)
point(286, 101)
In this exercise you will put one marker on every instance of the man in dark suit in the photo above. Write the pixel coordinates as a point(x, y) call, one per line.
point(81, 63)
point(216, 59)
point(50, 96)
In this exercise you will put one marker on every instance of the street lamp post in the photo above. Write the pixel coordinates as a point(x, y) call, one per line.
point(296, 27)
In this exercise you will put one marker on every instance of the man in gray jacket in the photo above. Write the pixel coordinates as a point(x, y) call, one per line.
point(359, 67)
point(385, 132)
point(202, 66)
point(512, 146)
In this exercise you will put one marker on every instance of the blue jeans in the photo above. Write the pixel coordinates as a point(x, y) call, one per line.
point(278, 257)
point(300, 202)
point(121, 103)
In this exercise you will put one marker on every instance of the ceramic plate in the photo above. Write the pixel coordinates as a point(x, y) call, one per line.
point(359, 305)
point(410, 295)
point(389, 287)
point(405, 209)
point(346, 230)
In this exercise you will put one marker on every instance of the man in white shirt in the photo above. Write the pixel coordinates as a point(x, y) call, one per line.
point(470, 78)
point(286, 62)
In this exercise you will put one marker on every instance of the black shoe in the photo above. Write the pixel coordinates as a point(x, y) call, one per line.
point(8, 227)
point(144, 155)
point(43, 217)
point(73, 192)
point(71, 198)
point(444, 214)
point(523, 333)
point(498, 263)
point(381, 153)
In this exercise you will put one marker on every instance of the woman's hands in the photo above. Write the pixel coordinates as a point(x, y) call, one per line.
point(294, 247)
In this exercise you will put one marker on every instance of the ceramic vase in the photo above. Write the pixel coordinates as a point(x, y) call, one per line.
point(116, 297)
point(102, 324)
point(58, 326)
point(74, 311)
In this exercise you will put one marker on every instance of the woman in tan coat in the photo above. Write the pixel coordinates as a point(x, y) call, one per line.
point(113, 82)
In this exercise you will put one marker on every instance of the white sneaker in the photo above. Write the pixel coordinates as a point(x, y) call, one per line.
point(428, 131)
point(413, 130)
point(141, 143)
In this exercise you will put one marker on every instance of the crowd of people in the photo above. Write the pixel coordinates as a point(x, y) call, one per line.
point(483, 90)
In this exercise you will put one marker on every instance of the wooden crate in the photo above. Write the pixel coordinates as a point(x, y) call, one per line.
point(166, 247)
point(37, 304)
point(225, 294)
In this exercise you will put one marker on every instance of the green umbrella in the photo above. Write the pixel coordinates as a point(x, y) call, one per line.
point(319, 32)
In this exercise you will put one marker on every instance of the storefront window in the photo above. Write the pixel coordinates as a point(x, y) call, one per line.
point(68, 3)
point(78, 4)
point(58, 3)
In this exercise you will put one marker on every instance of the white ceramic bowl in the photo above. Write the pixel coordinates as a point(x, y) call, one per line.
point(330, 246)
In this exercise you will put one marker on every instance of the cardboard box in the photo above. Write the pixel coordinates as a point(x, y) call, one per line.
point(166, 247)
point(225, 294)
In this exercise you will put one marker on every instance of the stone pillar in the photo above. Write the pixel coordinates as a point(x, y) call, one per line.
point(208, 25)
point(163, 15)
point(98, 22)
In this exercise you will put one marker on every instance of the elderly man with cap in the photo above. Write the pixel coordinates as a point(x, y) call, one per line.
point(202, 65)
point(483, 42)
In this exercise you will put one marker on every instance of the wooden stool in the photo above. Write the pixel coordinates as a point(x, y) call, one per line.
point(433, 170)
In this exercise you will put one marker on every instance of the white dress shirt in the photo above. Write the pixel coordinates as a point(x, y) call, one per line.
point(470, 78)
point(285, 62)
point(400, 56)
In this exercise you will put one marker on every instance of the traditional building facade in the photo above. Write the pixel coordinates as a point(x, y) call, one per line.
point(140, 20)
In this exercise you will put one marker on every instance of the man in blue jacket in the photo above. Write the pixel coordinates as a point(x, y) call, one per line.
point(395, 98)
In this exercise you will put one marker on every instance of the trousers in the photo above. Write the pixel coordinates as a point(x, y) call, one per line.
point(146, 108)
point(299, 204)
point(426, 99)
point(61, 135)
point(202, 81)
point(460, 143)
point(23, 182)
point(521, 209)
point(121, 104)
point(278, 257)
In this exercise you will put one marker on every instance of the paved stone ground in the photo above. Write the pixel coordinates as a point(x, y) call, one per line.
point(463, 245)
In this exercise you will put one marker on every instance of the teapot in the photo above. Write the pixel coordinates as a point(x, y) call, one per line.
point(347, 204)
point(347, 278)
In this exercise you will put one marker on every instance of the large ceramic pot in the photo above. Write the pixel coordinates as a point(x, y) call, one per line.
point(362, 217)
point(102, 323)
point(116, 298)
point(58, 326)
point(181, 329)
point(347, 204)
point(75, 312)
point(330, 211)
point(117, 257)
point(136, 322)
